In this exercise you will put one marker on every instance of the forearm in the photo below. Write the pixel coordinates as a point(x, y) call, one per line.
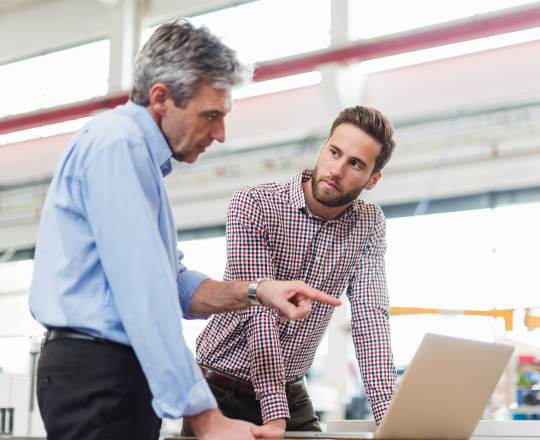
point(266, 365)
point(219, 297)
point(292, 299)
point(371, 335)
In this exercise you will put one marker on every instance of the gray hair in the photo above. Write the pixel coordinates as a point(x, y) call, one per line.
point(181, 56)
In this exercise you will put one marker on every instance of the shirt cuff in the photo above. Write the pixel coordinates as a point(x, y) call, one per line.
point(274, 406)
point(198, 400)
point(379, 409)
point(188, 282)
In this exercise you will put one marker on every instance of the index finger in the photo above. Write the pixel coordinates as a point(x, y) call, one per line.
point(317, 295)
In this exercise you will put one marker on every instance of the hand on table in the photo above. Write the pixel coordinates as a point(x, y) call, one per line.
point(276, 427)
point(212, 425)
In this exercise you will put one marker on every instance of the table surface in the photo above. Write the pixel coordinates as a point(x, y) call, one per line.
point(527, 437)
point(486, 430)
point(363, 438)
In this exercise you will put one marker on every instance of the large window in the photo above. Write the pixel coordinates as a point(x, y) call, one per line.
point(373, 19)
point(267, 29)
point(55, 78)
point(468, 259)
point(50, 80)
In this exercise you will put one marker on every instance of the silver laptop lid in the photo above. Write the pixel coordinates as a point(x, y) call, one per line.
point(445, 389)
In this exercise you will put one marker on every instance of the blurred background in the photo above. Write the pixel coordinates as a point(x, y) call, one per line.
point(459, 80)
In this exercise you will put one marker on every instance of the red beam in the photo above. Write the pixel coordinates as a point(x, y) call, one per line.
point(60, 114)
point(484, 25)
point(480, 26)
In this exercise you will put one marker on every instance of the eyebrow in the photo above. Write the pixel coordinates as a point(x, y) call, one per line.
point(210, 112)
point(353, 157)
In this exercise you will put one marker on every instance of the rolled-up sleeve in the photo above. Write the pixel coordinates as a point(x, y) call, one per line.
point(117, 190)
point(188, 281)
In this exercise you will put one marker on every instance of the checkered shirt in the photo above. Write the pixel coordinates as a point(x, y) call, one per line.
point(272, 234)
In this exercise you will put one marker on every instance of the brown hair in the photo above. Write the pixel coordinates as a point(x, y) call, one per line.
point(374, 123)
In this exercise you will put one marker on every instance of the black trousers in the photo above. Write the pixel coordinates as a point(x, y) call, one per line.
point(90, 390)
point(240, 406)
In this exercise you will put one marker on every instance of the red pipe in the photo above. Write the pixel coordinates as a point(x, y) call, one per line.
point(484, 25)
point(60, 114)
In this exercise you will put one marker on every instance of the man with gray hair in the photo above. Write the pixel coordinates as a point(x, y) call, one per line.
point(109, 284)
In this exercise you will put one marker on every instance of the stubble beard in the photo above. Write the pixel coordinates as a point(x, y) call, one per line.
point(329, 201)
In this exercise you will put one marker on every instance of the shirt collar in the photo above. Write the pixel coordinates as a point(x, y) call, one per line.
point(296, 190)
point(158, 145)
point(298, 200)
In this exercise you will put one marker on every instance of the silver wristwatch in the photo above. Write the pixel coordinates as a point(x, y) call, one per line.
point(252, 292)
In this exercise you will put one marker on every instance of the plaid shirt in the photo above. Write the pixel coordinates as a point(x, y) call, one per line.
point(272, 234)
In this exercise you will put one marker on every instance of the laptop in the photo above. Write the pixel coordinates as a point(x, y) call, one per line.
point(443, 393)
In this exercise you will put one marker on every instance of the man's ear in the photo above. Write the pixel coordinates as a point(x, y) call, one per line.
point(157, 96)
point(373, 179)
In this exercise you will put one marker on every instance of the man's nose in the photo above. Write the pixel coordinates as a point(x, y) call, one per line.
point(337, 170)
point(218, 132)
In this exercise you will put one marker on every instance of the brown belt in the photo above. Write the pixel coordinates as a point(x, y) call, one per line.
point(245, 387)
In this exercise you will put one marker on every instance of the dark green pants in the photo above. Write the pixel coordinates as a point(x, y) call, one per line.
point(240, 406)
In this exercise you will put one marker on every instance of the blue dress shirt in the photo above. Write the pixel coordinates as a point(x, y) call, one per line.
point(106, 260)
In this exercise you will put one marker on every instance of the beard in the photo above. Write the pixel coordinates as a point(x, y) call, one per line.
point(329, 200)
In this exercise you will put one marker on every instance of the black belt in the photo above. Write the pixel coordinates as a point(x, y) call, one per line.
point(68, 333)
point(293, 388)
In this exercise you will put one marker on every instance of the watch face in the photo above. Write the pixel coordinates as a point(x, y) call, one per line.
point(252, 294)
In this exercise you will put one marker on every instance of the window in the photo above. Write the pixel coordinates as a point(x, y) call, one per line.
point(55, 78)
point(267, 29)
point(373, 19)
point(478, 259)
point(442, 260)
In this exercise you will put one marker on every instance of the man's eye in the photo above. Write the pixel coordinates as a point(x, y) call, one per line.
point(211, 117)
point(357, 164)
